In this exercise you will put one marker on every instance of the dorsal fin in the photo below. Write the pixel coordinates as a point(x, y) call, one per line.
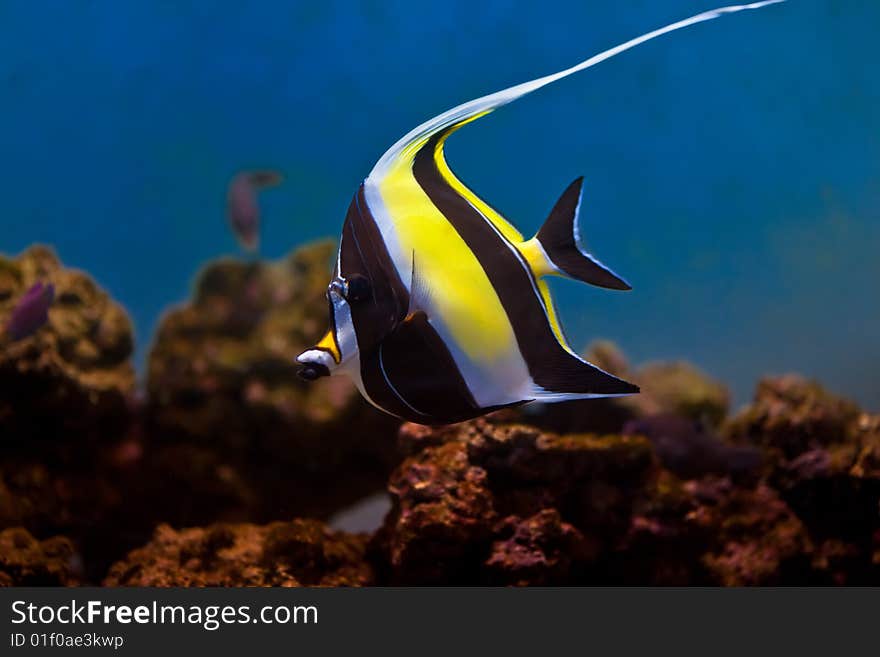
point(559, 237)
point(461, 114)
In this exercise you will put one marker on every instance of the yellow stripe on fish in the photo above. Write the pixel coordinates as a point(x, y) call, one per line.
point(531, 251)
point(464, 297)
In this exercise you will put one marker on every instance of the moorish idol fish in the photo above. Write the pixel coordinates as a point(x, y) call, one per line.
point(439, 309)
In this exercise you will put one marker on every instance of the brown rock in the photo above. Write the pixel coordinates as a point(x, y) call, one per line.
point(679, 388)
point(72, 377)
point(756, 538)
point(442, 517)
point(867, 437)
point(691, 450)
point(65, 396)
point(448, 497)
point(794, 415)
point(25, 561)
point(296, 553)
point(526, 454)
point(708, 532)
point(538, 551)
point(822, 453)
point(511, 504)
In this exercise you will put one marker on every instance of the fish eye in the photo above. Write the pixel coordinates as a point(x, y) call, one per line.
point(357, 288)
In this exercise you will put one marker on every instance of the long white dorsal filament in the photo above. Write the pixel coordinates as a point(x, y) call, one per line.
point(499, 98)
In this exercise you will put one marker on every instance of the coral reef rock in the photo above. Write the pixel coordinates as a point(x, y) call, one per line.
point(689, 449)
point(228, 432)
point(791, 415)
point(297, 553)
point(25, 561)
point(72, 376)
point(710, 532)
point(681, 389)
point(496, 502)
point(508, 503)
point(824, 459)
point(65, 396)
point(539, 550)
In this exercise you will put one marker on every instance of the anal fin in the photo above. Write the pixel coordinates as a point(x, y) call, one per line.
point(565, 376)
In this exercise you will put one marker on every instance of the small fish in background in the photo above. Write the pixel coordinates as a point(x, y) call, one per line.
point(31, 312)
point(439, 307)
point(690, 450)
point(242, 205)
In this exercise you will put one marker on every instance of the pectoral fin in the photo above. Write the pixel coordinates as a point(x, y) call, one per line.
point(419, 290)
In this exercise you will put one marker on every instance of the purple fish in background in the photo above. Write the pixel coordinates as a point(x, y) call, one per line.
point(242, 206)
point(31, 311)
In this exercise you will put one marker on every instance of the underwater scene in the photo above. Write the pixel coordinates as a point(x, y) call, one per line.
point(383, 293)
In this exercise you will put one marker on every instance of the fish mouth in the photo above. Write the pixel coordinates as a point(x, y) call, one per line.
point(312, 371)
point(315, 363)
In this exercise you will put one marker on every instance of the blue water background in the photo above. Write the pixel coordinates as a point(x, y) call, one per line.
point(732, 169)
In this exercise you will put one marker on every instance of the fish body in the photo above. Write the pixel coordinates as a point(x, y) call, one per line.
point(438, 305)
point(242, 205)
point(31, 312)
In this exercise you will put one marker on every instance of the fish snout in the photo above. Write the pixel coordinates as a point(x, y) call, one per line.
point(314, 364)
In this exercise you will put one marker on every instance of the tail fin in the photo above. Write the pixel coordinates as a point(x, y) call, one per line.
point(560, 239)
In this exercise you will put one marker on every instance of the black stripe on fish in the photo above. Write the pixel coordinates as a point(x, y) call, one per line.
point(406, 368)
point(363, 253)
point(551, 366)
point(419, 365)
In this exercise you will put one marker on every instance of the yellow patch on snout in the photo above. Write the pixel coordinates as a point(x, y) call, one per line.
point(328, 343)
